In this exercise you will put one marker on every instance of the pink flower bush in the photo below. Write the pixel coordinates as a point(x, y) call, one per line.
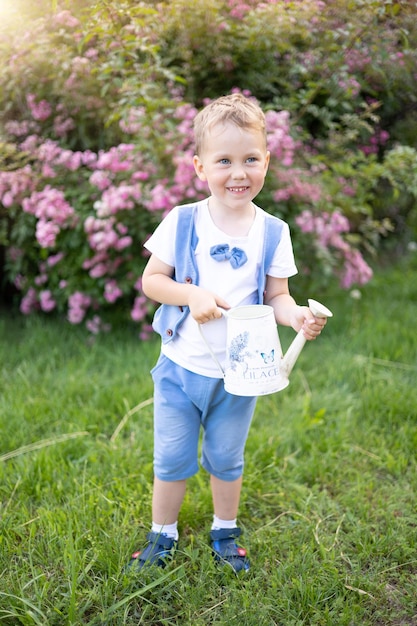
point(92, 211)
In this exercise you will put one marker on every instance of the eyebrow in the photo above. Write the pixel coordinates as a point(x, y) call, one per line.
point(245, 155)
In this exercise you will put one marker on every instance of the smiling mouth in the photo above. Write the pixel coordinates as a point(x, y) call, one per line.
point(238, 189)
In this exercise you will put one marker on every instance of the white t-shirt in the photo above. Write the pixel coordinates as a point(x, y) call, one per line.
point(237, 286)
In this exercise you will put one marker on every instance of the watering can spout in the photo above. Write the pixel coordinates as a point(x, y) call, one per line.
point(288, 361)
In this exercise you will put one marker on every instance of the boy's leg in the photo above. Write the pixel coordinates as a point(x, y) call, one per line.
point(166, 501)
point(176, 432)
point(162, 539)
point(226, 430)
point(226, 497)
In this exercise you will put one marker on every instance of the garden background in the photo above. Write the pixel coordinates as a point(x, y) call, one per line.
point(96, 137)
point(96, 108)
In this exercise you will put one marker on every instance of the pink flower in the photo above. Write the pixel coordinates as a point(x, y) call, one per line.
point(99, 257)
point(112, 291)
point(30, 143)
point(98, 270)
point(40, 110)
point(103, 240)
point(63, 125)
point(29, 302)
point(64, 18)
point(91, 53)
point(13, 185)
point(55, 258)
point(46, 233)
point(78, 304)
point(356, 270)
point(122, 228)
point(7, 200)
point(48, 171)
point(71, 160)
point(139, 310)
point(41, 279)
point(115, 199)
point(140, 175)
point(96, 325)
point(296, 187)
point(47, 302)
point(123, 242)
point(20, 282)
point(117, 159)
point(100, 180)
point(49, 204)
point(161, 198)
point(93, 325)
point(18, 129)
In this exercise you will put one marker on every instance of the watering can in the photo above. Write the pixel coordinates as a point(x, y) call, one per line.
point(255, 364)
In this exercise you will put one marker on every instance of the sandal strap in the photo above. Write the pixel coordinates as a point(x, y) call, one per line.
point(160, 540)
point(225, 533)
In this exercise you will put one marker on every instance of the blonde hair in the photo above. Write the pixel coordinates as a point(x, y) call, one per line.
point(235, 108)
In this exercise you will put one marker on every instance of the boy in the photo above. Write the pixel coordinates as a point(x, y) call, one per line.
point(207, 255)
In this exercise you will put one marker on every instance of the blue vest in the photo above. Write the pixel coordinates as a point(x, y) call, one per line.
point(169, 317)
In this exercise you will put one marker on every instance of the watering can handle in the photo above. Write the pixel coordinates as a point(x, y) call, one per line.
point(293, 352)
point(210, 349)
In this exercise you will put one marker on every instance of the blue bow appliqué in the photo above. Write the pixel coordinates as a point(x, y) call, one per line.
point(222, 252)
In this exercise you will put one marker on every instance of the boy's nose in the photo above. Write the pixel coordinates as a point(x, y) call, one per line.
point(238, 173)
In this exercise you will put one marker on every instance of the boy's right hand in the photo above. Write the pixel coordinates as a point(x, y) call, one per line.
point(204, 305)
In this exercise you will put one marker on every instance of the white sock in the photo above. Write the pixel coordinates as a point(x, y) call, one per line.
point(169, 530)
point(222, 523)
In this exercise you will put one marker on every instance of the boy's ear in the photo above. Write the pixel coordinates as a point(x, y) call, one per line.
point(267, 159)
point(199, 168)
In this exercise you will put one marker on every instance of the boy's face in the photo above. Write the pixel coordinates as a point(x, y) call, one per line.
point(233, 161)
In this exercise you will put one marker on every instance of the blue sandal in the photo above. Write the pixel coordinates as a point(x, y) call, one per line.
point(225, 550)
point(159, 551)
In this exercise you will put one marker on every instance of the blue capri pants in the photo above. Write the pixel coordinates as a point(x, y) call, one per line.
point(185, 403)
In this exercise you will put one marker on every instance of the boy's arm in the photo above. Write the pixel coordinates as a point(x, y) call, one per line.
point(286, 310)
point(158, 285)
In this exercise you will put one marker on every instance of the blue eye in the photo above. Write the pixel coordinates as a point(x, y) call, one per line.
point(224, 161)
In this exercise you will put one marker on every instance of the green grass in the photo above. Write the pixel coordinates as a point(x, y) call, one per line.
point(330, 492)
